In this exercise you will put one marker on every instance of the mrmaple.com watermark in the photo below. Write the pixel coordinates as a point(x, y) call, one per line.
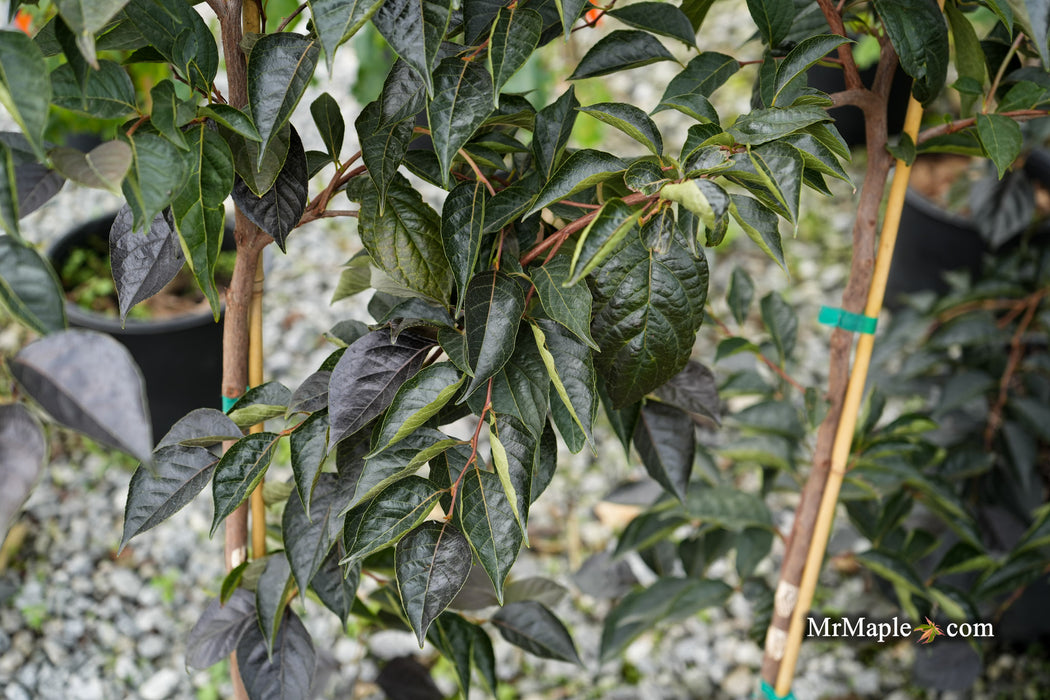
point(861, 628)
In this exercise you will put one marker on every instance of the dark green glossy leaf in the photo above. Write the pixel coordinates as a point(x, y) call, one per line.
point(415, 31)
point(108, 93)
point(514, 37)
point(891, 566)
point(647, 311)
point(668, 598)
point(764, 125)
point(784, 166)
point(383, 147)
point(801, 58)
point(379, 523)
point(239, 471)
point(337, 20)
point(25, 88)
point(463, 99)
point(694, 389)
point(279, 210)
point(431, 564)
point(233, 119)
point(416, 402)
point(308, 538)
point(760, 224)
point(463, 644)
point(568, 305)
point(531, 626)
point(781, 320)
point(279, 69)
point(691, 104)
point(165, 115)
point(201, 427)
point(514, 457)
point(919, 33)
point(368, 376)
point(143, 262)
point(219, 628)
point(260, 403)
point(198, 207)
point(726, 507)
point(658, 18)
point(88, 381)
point(631, 121)
point(521, 388)
point(372, 475)
point(258, 174)
point(579, 171)
point(1001, 138)
point(286, 673)
point(329, 121)
point(487, 518)
point(23, 456)
point(29, 289)
point(85, 19)
point(569, 10)
point(494, 304)
point(404, 240)
point(969, 56)
point(552, 129)
point(158, 171)
point(178, 33)
point(773, 17)
point(817, 156)
point(271, 596)
point(664, 437)
point(702, 75)
point(335, 587)
point(404, 95)
point(619, 51)
point(462, 228)
point(309, 445)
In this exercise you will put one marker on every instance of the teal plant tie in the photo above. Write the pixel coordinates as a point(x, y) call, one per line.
point(227, 403)
point(846, 320)
point(768, 693)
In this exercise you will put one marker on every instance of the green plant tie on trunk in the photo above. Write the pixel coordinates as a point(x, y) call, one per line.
point(767, 691)
point(846, 320)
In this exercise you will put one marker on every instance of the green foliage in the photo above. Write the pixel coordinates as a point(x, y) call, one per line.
point(554, 279)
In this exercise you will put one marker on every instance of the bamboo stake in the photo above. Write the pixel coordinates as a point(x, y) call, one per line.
point(255, 378)
point(851, 406)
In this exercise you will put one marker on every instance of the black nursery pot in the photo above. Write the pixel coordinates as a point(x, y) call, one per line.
point(931, 241)
point(180, 358)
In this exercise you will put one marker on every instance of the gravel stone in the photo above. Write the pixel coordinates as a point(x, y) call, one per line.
point(152, 646)
point(16, 692)
point(160, 685)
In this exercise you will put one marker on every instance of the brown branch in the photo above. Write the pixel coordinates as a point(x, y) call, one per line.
point(768, 362)
point(850, 72)
point(1002, 71)
point(287, 20)
point(1018, 115)
point(995, 416)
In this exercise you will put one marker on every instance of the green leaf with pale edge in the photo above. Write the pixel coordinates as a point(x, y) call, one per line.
point(521, 389)
point(621, 50)
point(9, 193)
point(774, 19)
point(514, 457)
point(702, 75)
point(367, 377)
point(309, 538)
point(486, 516)
point(725, 507)
point(29, 289)
point(630, 120)
point(107, 93)
point(764, 125)
point(1001, 138)
point(103, 168)
point(156, 493)
point(239, 471)
point(415, 29)
point(165, 115)
point(783, 165)
point(462, 229)
point(664, 437)
point(919, 33)
point(380, 522)
point(271, 596)
point(337, 20)
point(85, 18)
point(329, 122)
point(158, 171)
point(602, 236)
point(801, 58)
point(568, 305)
point(892, 566)
point(531, 626)
point(553, 125)
point(89, 382)
point(515, 35)
point(691, 104)
point(817, 156)
point(569, 10)
point(582, 169)
point(666, 599)
point(463, 99)
point(309, 446)
point(494, 304)
point(279, 69)
point(383, 147)
point(659, 18)
point(431, 564)
point(178, 32)
point(201, 427)
point(404, 239)
point(571, 370)
point(25, 87)
point(372, 475)
point(760, 224)
point(647, 310)
point(417, 401)
point(198, 207)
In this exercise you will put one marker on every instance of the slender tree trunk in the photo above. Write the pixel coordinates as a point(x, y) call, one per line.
point(873, 103)
point(250, 242)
